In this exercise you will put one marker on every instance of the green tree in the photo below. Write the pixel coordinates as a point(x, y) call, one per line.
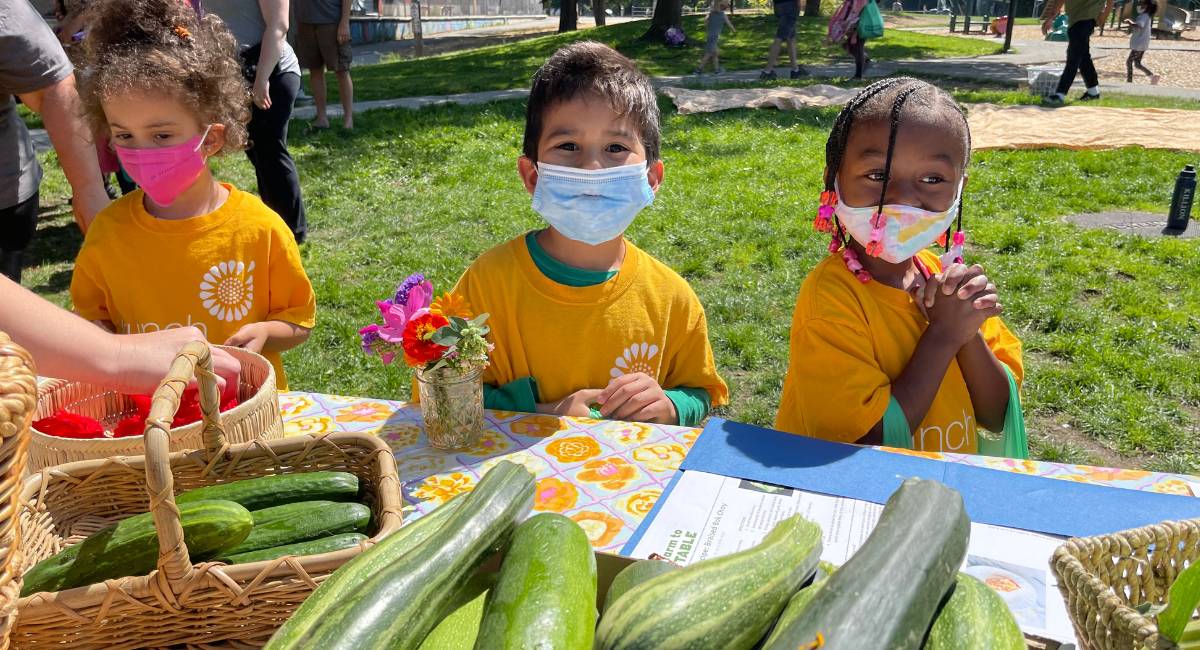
point(667, 14)
point(568, 16)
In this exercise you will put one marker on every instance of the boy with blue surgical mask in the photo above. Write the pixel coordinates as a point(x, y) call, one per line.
point(584, 323)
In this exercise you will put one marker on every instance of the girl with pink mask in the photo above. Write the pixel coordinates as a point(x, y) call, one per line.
point(891, 343)
point(165, 87)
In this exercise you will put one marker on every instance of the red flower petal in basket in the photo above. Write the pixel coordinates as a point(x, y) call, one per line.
point(69, 425)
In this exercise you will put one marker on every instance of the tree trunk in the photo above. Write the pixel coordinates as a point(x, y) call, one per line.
point(812, 8)
point(667, 14)
point(568, 16)
point(598, 12)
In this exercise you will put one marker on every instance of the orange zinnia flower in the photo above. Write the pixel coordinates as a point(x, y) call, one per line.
point(451, 304)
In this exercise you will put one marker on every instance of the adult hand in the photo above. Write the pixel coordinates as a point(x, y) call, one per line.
point(577, 404)
point(637, 397)
point(343, 32)
point(261, 92)
point(143, 360)
point(250, 337)
point(1047, 25)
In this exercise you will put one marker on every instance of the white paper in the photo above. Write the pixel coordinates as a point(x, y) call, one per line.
point(708, 515)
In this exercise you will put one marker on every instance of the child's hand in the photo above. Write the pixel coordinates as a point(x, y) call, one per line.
point(577, 404)
point(251, 337)
point(637, 397)
point(958, 301)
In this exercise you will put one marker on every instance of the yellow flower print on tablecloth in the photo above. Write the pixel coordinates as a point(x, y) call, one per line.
point(535, 464)
point(292, 405)
point(1172, 486)
point(489, 443)
point(554, 495)
point(1013, 465)
point(364, 412)
point(504, 415)
point(340, 399)
point(601, 527)
point(627, 434)
point(660, 457)
point(935, 455)
point(311, 425)
point(689, 438)
point(398, 435)
point(1104, 474)
point(611, 473)
point(441, 488)
point(537, 426)
point(573, 449)
point(639, 503)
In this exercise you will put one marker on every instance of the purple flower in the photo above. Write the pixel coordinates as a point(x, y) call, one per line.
point(370, 336)
point(414, 280)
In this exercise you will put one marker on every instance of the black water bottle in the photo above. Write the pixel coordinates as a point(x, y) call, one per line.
point(1181, 201)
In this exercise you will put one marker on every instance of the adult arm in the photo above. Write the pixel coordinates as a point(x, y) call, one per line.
point(64, 345)
point(343, 33)
point(1049, 13)
point(275, 16)
point(58, 105)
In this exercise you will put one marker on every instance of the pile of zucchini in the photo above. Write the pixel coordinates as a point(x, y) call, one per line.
point(243, 521)
point(421, 588)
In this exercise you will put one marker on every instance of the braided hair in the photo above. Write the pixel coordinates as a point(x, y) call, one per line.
point(872, 104)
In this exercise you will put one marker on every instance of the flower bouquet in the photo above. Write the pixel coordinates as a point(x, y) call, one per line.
point(446, 346)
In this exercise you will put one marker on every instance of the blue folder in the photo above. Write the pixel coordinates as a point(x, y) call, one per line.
point(1043, 505)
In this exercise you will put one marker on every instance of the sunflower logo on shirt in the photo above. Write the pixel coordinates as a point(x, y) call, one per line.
point(635, 358)
point(227, 291)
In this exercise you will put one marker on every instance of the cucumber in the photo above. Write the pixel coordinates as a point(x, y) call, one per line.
point(341, 585)
point(887, 594)
point(459, 629)
point(397, 605)
point(267, 491)
point(130, 547)
point(546, 595)
point(634, 575)
point(305, 521)
point(314, 547)
point(974, 617)
point(799, 601)
point(727, 602)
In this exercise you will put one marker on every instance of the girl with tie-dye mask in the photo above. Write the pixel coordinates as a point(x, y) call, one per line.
point(892, 344)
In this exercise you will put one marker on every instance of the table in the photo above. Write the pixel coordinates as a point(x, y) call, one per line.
point(606, 475)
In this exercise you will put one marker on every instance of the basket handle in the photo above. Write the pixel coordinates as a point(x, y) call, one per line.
point(194, 359)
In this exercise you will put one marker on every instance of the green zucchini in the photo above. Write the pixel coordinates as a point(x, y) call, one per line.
point(974, 617)
point(634, 575)
point(459, 629)
point(345, 581)
point(276, 490)
point(130, 547)
point(886, 595)
point(727, 602)
point(398, 604)
point(546, 595)
point(305, 521)
point(314, 547)
point(800, 600)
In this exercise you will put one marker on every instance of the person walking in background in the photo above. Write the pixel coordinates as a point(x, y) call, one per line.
point(1084, 16)
point(1139, 40)
point(844, 31)
point(270, 65)
point(717, 20)
point(323, 41)
point(786, 12)
point(35, 69)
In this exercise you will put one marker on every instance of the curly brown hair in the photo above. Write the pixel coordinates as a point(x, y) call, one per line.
point(140, 45)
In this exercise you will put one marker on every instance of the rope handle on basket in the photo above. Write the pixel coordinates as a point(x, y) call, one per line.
point(195, 359)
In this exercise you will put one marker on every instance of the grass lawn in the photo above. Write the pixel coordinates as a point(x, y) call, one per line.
point(501, 67)
point(1111, 323)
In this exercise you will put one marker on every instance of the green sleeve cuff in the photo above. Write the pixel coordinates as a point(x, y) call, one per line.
point(1014, 442)
point(691, 404)
point(895, 427)
point(519, 395)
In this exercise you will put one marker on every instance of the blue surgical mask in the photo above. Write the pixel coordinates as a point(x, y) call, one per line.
point(591, 205)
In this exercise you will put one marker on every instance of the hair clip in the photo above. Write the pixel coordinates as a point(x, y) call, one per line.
point(875, 246)
point(182, 32)
point(824, 220)
point(955, 253)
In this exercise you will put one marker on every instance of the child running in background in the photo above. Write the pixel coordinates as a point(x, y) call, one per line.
point(1139, 40)
point(584, 323)
point(166, 88)
point(717, 20)
point(889, 343)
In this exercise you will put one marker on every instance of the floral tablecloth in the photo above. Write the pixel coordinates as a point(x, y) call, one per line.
point(606, 475)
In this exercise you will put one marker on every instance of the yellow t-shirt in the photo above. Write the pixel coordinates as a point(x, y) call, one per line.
point(849, 343)
point(220, 271)
point(644, 319)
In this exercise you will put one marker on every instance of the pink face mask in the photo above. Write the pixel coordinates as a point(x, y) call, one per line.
point(164, 172)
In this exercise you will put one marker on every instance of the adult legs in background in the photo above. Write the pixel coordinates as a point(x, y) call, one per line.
point(858, 49)
point(316, 80)
point(17, 225)
point(1079, 57)
point(278, 181)
point(346, 90)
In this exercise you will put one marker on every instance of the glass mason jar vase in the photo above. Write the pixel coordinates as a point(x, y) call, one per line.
point(451, 406)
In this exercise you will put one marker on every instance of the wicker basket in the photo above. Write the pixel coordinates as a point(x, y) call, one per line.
point(182, 603)
point(1104, 578)
point(257, 415)
point(18, 399)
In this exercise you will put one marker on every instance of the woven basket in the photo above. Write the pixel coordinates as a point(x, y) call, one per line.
point(1104, 578)
point(257, 415)
point(18, 398)
point(181, 603)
